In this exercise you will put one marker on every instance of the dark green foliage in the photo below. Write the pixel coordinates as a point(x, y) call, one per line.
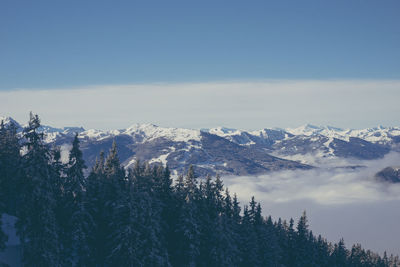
point(9, 174)
point(78, 219)
point(138, 217)
point(37, 222)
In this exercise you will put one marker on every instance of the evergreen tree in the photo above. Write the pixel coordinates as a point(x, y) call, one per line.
point(112, 189)
point(10, 160)
point(271, 250)
point(282, 237)
point(95, 205)
point(303, 248)
point(62, 215)
point(125, 239)
point(37, 224)
point(230, 229)
point(80, 219)
point(290, 254)
point(188, 232)
point(152, 251)
point(168, 204)
point(339, 254)
point(322, 252)
point(249, 246)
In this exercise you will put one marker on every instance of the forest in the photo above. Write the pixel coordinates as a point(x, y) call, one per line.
point(112, 216)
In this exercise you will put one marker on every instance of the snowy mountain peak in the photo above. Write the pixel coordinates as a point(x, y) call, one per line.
point(151, 131)
point(9, 120)
point(306, 129)
point(223, 131)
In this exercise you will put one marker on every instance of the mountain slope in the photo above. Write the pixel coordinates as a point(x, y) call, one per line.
point(228, 151)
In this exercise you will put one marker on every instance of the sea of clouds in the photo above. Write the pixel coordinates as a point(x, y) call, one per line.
point(340, 202)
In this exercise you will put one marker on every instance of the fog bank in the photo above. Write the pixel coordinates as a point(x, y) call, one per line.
point(339, 202)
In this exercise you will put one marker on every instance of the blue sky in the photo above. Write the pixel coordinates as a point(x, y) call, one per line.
point(60, 44)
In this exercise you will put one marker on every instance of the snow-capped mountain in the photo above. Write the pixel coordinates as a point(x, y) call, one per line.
point(230, 151)
point(381, 134)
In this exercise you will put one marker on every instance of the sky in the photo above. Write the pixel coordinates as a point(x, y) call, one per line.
point(161, 50)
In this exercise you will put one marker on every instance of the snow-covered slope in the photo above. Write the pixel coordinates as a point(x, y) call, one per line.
point(9, 120)
point(377, 134)
point(232, 151)
point(151, 131)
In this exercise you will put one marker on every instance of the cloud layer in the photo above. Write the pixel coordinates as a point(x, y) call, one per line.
point(340, 202)
point(247, 105)
point(325, 185)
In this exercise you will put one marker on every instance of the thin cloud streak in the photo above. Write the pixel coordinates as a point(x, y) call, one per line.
point(246, 105)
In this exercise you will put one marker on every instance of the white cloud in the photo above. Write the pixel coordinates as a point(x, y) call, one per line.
point(324, 185)
point(340, 202)
point(248, 105)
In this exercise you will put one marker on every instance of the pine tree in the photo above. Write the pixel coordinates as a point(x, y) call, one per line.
point(249, 246)
point(282, 238)
point(61, 215)
point(187, 232)
point(168, 204)
point(113, 189)
point(236, 229)
point(80, 219)
point(303, 249)
point(125, 239)
point(151, 250)
point(290, 254)
point(37, 223)
point(339, 254)
point(322, 252)
point(215, 249)
point(95, 205)
point(10, 161)
point(271, 251)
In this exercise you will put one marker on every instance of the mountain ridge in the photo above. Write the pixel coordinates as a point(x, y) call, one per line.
point(229, 151)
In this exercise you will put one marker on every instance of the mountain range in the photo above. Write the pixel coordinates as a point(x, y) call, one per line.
point(230, 151)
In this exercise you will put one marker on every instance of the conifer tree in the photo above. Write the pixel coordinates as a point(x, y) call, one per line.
point(322, 252)
point(37, 224)
point(290, 254)
point(62, 215)
point(303, 249)
point(125, 238)
point(188, 247)
point(152, 251)
point(249, 245)
point(95, 205)
point(230, 237)
point(339, 254)
point(112, 191)
point(10, 161)
point(80, 219)
point(168, 205)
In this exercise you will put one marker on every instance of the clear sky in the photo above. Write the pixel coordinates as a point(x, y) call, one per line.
point(46, 46)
